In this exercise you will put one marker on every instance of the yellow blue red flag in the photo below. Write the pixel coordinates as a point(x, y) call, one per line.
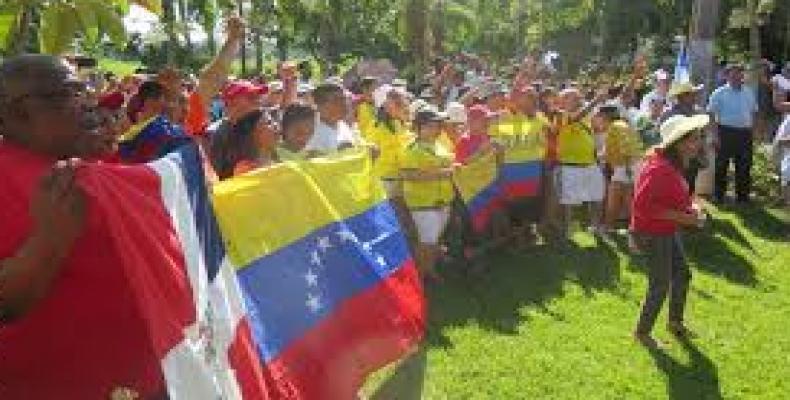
point(330, 288)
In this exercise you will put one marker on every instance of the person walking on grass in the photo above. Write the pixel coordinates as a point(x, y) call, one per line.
point(662, 206)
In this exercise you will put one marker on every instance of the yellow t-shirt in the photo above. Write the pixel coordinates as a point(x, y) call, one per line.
point(447, 145)
point(426, 194)
point(623, 145)
point(576, 144)
point(523, 137)
point(390, 141)
point(366, 118)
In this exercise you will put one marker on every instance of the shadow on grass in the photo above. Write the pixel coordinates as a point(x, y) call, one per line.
point(697, 380)
point(495, 299)
point(766, 223)
point(407, 381)
point(714, 251)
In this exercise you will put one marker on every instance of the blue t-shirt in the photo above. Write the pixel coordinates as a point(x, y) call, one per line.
point(734, 108)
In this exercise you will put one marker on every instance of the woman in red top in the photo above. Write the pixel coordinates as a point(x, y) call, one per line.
point(661, 206)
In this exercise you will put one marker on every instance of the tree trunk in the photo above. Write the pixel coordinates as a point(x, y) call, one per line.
point(755, 54)
point(183, 8)
point(704, 23)
point(211, 40)
point(521, 24)
point(171, 46)
point(23, 33)
point(438, 23)
point(258, 51)
point(417, 26)
point(243, 50)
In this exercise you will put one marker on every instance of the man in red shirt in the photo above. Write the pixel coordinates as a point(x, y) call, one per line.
point(57, 266)
point(661, 206)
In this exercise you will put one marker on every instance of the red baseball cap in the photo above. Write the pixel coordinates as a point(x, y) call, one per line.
point(480, 111)
point(112, 101)
point(242, 88)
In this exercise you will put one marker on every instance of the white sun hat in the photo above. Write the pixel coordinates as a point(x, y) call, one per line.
point(678, 126)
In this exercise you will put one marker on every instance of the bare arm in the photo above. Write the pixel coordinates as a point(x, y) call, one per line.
point(216, 72)
point(681, 218)
point(527, 73)
point(599, 98)
point(780, 100)
point(422, 176)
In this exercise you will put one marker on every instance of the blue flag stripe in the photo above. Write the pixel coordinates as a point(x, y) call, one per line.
point(290, 291)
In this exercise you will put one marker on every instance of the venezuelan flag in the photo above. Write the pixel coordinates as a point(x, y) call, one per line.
point(476, 183)
point(151, 140)
point(328, 281)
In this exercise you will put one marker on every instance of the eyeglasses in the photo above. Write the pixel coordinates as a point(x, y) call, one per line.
point(70, 91)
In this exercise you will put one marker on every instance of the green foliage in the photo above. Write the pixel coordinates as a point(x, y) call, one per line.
point(59, 22)
point(765, 177)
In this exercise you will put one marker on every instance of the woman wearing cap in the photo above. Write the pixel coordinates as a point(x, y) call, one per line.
point(661, 206)
point(427, 187)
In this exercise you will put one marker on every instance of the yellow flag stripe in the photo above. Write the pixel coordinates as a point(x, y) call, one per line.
point(271, 208)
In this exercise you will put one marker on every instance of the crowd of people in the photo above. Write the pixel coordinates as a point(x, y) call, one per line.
point(623, 156)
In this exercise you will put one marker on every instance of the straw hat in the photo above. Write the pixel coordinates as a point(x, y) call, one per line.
point(677, 127)
point(678, 89)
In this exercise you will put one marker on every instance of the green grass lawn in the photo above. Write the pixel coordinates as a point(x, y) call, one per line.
point(551, 324)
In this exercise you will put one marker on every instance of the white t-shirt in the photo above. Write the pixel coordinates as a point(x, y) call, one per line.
point(644, 106)
point(327, 139)
point(782, 150)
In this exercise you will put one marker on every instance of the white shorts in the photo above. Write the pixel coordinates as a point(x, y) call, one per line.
point(578, 185)
point(430, 224)
point(625, 174)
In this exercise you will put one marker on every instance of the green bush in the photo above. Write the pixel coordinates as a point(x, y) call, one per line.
point(765, 177)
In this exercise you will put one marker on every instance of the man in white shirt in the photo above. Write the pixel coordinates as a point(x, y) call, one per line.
point(332, 133)
point(733, 107)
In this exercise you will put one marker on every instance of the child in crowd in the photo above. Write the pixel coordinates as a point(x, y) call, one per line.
point(366, 109)
point(426, 172)
point(298, 125)
point(579, 177)
point(622, 152)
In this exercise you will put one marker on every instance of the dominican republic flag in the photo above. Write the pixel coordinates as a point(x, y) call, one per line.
point(146, 304)
point(330, 288)
point(683, 66)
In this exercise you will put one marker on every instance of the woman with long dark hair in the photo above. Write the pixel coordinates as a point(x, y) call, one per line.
point(251, 143)
point(662, 205)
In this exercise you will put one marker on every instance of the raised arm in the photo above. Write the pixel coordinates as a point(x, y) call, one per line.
point(527, 73)
point(216, 71)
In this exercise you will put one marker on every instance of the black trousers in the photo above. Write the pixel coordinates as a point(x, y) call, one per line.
point(735, 146)
point(669, 274)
